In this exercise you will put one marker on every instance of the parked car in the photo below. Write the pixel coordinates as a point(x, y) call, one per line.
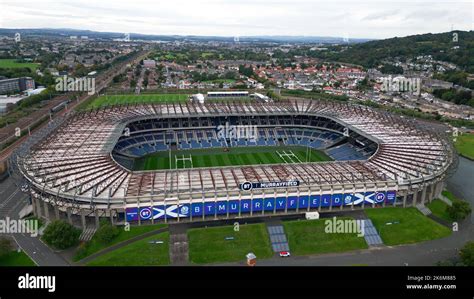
point(285, 253)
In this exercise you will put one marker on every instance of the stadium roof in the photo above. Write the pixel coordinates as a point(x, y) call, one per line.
point(75, 161)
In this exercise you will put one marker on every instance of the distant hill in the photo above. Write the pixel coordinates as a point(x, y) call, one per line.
point(440, 46)
point(112, 35)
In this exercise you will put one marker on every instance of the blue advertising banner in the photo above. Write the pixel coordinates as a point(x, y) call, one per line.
point(315, 200)
point(391, 196)
point(197, 209)
point(336, 200)
point(348, 199)
point(146, 213)
point(221, 207)
point(325, 200)
point(369, 197)
point(292, 202)
point(131, 214)
point(233, 207)
point(209, 208)
point(257, 205)
point(245, 205)
point(269, 204)
point(184, 210)
point(280, 203)
point(379, 197)
point(303, 201)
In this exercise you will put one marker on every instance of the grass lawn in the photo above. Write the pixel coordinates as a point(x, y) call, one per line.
point(15, 258)
point(214, 157)
point(140, 253)
point(308, 237)
point(12, 63)
point(208, 245)
point(207, 54)
point(438, 207)
point(95, 245)
point(412, 227)
point(133, 98)
point(465, 145)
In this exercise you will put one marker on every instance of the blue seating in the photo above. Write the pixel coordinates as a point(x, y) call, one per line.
point(147, 142)
point(195, 144)
point(206, 144)
point(184, 145)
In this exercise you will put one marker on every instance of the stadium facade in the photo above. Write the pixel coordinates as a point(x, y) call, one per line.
point(81, 169)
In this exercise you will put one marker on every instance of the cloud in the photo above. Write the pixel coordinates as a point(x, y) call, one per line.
point(355, 19)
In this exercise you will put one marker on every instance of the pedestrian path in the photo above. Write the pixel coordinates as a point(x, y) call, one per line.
point(371, 235)
point(277, 236)
point(423, 209)
point(179, 245)
point(87, 233)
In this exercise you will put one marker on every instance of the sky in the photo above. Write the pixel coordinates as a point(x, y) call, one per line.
point(346, 18)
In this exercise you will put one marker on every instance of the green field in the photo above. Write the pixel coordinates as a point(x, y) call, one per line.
point(465, 145)
point(12, 63)
point(412, 226)
point(208, 245)
point(133, 99)
point(95, 245)
point(140, 253)
point(438, 208)
point(308, 237)
point(15, 258)
point(214, 157)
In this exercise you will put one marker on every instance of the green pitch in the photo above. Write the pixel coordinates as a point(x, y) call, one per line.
point(133, 99)
point(215, 157)
point(209, 245)
point(12, 63)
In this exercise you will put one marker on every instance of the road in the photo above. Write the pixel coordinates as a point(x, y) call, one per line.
point(12, 200)
point(420, 254)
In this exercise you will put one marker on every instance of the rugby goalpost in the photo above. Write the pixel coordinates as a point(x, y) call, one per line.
point(289, 157)
point(183, 159)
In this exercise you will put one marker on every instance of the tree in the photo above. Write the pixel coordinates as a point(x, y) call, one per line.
point(106, 233)
point(5, 246)
point(467, 254)
point(61, 234)
point(459, 210)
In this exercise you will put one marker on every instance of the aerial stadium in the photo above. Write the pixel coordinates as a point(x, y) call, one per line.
point(171, 162)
